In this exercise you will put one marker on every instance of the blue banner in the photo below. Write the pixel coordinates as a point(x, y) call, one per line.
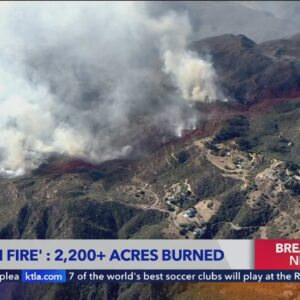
point(54, 276)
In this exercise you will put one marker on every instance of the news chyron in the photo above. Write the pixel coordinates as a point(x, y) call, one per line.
point(154, 260)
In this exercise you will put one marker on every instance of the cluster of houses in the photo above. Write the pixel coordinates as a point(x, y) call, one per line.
point(175, 197)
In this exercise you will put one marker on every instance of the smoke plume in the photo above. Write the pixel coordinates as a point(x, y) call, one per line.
point(196, 78)
point(77, 78)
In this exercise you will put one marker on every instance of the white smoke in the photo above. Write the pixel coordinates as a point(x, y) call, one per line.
point(75, 77)
point(195, 77)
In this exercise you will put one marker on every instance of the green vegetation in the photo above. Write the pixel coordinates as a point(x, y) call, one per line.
point(211, 186)
point(232, 128)
point(232, 202)
point(183, 156)
point(275, 134)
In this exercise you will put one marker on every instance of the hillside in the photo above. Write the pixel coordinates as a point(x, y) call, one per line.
point(237, 175)
point(251, 72)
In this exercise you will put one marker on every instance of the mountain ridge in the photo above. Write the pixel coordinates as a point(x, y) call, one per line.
point(250, 72)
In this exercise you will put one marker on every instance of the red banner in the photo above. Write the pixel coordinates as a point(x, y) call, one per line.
point(277, 254)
